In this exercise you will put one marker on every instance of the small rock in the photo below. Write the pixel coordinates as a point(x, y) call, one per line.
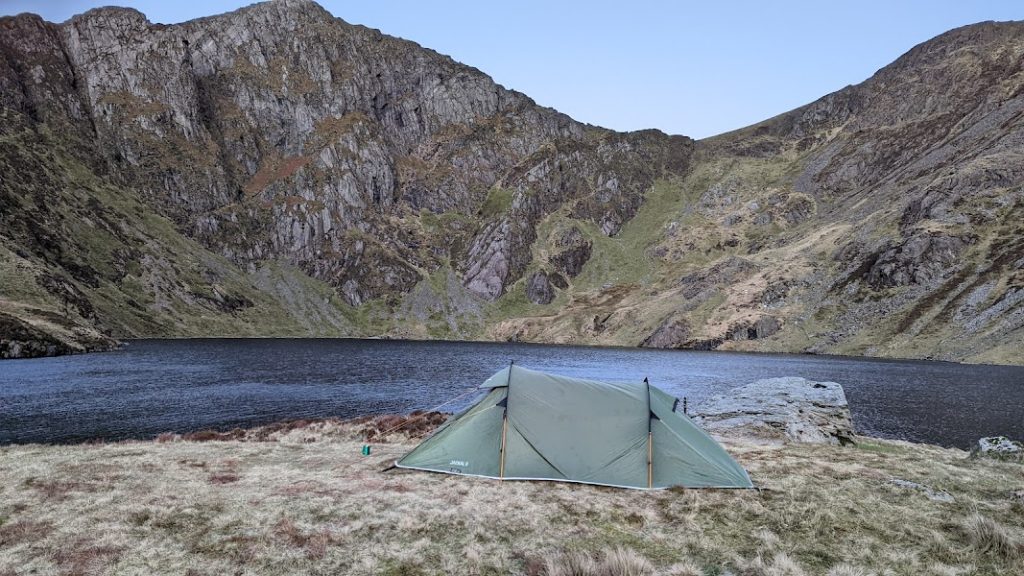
point(558, 281)
point(933, 495)
point(918, 260)
point(570, 261)
point(1017, 496)
point(732, 219)
point(782, 409)
point(672, 333)
point(998, 447)
point(754, 330)
point(775, 294)
point(701, 283)
point(539, 289)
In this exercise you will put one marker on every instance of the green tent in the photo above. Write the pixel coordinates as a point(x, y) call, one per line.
point(536, 426)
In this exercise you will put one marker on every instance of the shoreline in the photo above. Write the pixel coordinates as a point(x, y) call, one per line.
point(261, 433)
point(122, 343)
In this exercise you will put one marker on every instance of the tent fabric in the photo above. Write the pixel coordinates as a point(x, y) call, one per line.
point(576, 430)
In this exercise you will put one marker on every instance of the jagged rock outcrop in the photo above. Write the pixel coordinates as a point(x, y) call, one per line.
point(919, 260)
point(19, 339)
point(700, 285)
point(753, 330)
point(672, 333)
point(539, 289)
point(780, 409)
point(576, 251)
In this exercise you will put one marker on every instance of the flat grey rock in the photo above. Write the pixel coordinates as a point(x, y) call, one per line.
point(787, 409)
point(930, 493)
point(999, 447)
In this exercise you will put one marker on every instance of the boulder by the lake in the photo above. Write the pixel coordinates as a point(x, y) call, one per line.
point(999, 447)
point(780, 409)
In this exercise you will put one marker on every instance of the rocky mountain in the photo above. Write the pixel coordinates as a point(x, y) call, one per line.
point(278, 171)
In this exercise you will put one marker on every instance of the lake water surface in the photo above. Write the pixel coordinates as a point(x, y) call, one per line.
point(154, 386)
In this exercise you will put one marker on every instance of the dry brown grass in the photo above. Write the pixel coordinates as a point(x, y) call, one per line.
point(259, 434)
point(570, 564)
point(21, 531)
point(417, 424)
point(616, 562)
point(56, 489)
point(223, 478)
point(80, 557)
point(313, 543)
point(302, 500)
point(989, 537)
point(209, 436)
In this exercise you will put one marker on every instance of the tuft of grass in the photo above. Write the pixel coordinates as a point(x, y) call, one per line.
point(845, 570)
point(403, 568)
point(779, 564)
point(615, 562)
point(83, 556)
point(878, 447)
point(24, 531)
point(572, 563)
point(989, 537)
point(223, 478)
point(685, 568)
point(625, 562)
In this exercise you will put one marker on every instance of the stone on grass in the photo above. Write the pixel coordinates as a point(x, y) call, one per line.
point(999, 447)
point(930, 493)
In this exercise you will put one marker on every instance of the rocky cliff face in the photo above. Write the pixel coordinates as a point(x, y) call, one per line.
point(276, 170)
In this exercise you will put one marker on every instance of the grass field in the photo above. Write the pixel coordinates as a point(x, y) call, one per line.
point(303, 500)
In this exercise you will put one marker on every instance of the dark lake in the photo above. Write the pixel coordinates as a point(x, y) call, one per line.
point(154, 386)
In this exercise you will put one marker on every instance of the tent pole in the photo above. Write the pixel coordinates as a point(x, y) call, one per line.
point(650, 462)
point(504, 422)
point(504, 428)
point(650, 444)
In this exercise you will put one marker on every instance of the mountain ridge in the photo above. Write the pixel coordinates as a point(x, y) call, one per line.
point(278, 171)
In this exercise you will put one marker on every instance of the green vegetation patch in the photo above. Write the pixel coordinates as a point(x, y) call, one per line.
point(498, 202)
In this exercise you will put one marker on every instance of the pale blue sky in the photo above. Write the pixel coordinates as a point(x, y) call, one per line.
point(687, 68)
